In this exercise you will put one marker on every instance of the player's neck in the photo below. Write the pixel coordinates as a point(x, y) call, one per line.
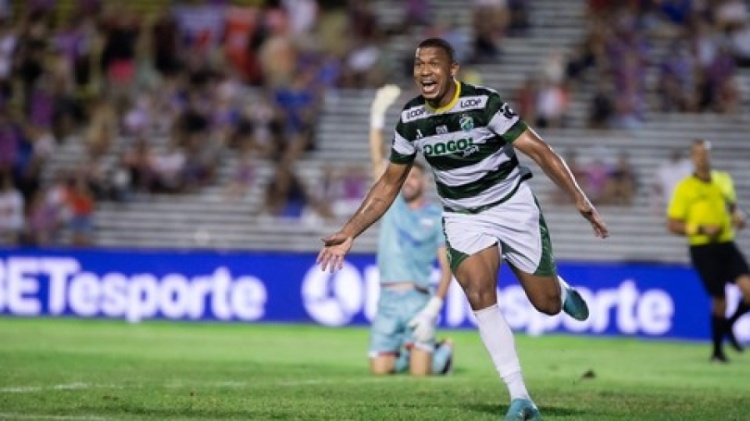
point(703, 174)
point(446, 101)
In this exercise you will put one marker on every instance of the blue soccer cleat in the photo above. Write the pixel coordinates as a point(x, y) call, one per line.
point(575, 306)
point(522, 410)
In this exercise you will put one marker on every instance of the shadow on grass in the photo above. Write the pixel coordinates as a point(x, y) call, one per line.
point(552, 411)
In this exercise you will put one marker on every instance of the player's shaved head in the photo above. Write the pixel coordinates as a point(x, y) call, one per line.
point(439, 43)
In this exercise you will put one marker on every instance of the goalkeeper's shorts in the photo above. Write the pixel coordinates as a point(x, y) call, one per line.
point(390, 331)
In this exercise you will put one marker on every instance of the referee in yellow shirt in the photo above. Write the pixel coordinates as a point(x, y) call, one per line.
point(704, 209)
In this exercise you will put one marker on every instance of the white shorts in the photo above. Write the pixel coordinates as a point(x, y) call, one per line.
point(516, 226)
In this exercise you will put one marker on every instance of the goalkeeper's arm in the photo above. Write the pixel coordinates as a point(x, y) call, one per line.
point(384, 97)
point(433, 307)
point(425, 322)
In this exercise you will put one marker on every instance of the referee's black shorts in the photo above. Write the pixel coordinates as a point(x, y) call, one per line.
point(718, 264)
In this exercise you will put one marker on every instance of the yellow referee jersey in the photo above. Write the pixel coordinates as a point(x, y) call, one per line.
point(697, 202)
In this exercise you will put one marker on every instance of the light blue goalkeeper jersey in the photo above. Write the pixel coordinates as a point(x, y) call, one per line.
point(408, 244)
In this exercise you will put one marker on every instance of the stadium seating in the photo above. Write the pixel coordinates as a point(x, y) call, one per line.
point(206, 219)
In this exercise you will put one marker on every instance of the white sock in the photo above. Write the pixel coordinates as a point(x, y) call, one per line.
point(564, 287)
point(498, 340)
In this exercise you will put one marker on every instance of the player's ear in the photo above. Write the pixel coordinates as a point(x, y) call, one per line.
point(455, 67)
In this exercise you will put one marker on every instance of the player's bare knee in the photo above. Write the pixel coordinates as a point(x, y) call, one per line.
point(380, 371)
point(480, 298)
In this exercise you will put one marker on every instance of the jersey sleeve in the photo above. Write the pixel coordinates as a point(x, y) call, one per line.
point(678, 206)
point(725, 183)
point(402, 150)
point(503, 121)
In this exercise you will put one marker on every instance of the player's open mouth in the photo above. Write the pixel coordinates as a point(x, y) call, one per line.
point(429, 87)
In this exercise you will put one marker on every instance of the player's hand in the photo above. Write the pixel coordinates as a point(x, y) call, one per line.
point(712, 231)
point(335, 248)
point(589, 212)
point(384, 97)
point(425, 322)
point(738, 220)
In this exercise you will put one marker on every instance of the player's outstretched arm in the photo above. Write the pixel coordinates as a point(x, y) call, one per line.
point(557, 170)
point(378, 200)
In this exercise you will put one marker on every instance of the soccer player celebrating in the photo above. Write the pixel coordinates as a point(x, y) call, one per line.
point(704, 209)
point(411, 238)
point(469, 136)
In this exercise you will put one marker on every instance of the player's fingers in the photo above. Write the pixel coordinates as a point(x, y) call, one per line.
point(601, 229)
point(321, 254)
point(335, 263)
point(324, 262)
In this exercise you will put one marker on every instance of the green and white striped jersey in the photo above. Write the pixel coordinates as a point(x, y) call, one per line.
point(468, 144)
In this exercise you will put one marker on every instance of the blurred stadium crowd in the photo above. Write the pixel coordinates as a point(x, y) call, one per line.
point(247, 78)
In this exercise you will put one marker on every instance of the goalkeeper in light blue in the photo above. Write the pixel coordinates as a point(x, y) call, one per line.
point(402, 337)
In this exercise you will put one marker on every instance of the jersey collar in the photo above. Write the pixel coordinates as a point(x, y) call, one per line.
point(449, 105)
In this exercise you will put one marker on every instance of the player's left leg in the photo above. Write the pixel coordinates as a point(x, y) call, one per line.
point(743, 307)
point(718, 323)
point(529, 253)
point(521, 410)
point(740, 272)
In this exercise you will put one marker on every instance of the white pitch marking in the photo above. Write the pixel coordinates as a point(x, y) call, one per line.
point(13, 416)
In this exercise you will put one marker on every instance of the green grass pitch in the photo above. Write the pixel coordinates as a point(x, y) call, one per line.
point(61, 369)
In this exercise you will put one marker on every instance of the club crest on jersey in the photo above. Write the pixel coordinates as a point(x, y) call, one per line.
point(466, 123)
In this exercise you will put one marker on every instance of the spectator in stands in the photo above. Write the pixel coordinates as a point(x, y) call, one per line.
point(261, 129)
point(102, 130)
point(243, 175)
point(138, 120)
point(739, 42)
point(302, 15)
point(166, 42)
point(121, 29)
point(704, 209)
point(344, 187)
point(598, 174)
point(621, 187)
point(363, 65)
point(35, 148)
point(278, 52)
point(520, 17)
point(11, 210)
point(602, 107)
point(10, 140)
point(527, 99)
point(552, 104)
point(299, 105)
point(138, 160)
point(80, 201)
point(288, 195)
point(168, 168)
point(677, 79)
point(578, 171)
point(489, 20)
